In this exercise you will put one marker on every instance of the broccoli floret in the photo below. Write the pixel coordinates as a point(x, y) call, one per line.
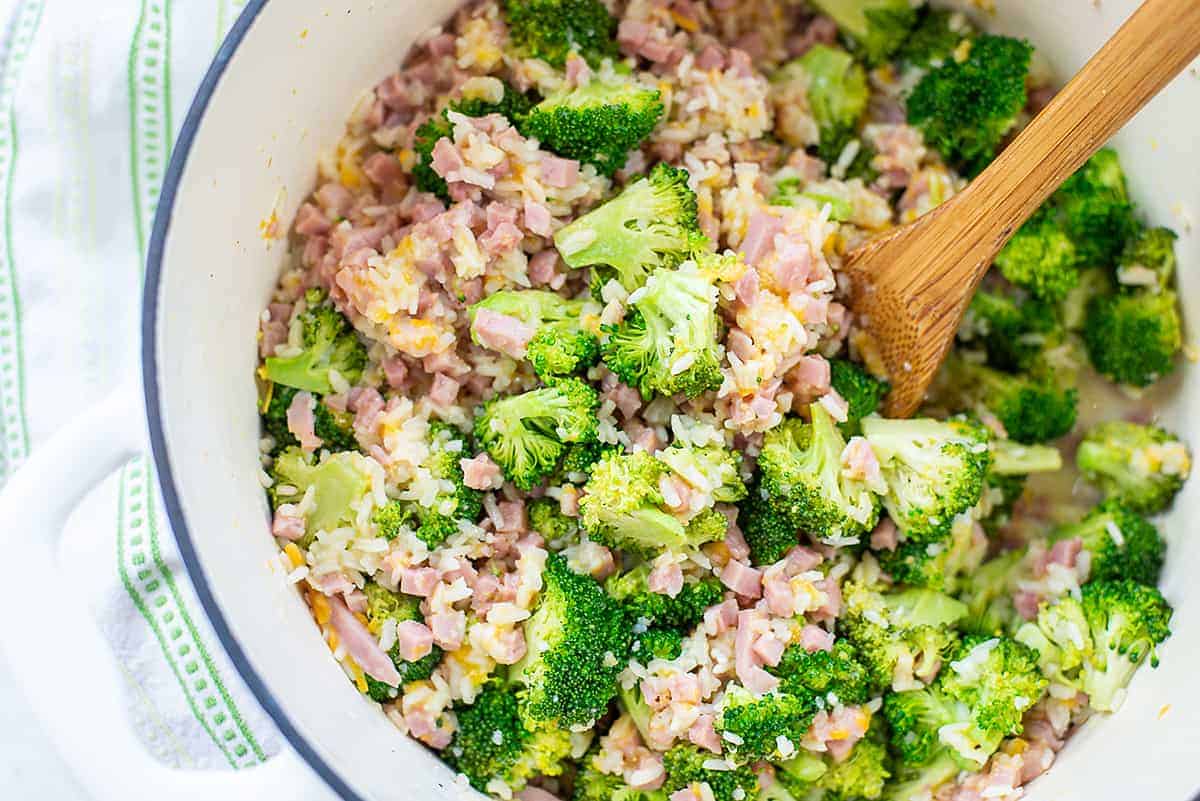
point(335, 429)
point(1122, 544)
point(684, 765)
point(526, 434)
point(965, 108)
point(436, 522)
point(1127, 622)
point(683, 611)
point(1041, 257)
point(669, 341)
point(329, 343)
point(862, 775)
point(1032, 407)
point(937, 565)
point(938, 34)
point(1013, 333)
point(801, 478)
point(934, 471)
point(1133, 338)
point(1015, 459)
point(874, 28)
point(1150, 249)
point(1142, 466)
point(653, 223)
point(1061, 636)
point(656, 643)
point(577, 641)
point(767, 528)
point(757, 721)
point(546, 518)
point(988, 595)
point(562, 343)
point(493, 743)
point(1095, 209)
point(513, 105)
point(424, 139)
point(789, 191)
point(592, 784)
point(918, 782)
point(862, 392)
point(900, 636)
point(799, 774)
point(384, 605)
point(838, 672)
point(1001, 493)
point(1093, 281)
point(624, 508)
point(977, 701)
point(710, 466)
point(551, 29)
point(339, 482)
point(598, 123)
point(837, 97)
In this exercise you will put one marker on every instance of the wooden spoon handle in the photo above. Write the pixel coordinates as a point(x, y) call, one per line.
point(1152, 47)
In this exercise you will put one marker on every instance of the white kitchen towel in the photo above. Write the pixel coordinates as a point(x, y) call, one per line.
point(91, 98)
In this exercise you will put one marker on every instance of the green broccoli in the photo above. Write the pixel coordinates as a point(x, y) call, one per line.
point(711, 466)
point(934, 471)
point(1016, 459)
point(976, 701)
point(1133, 337)
point(1095, 209)
point(941, 565)
point(874, 28)
point(656, 643)
point(684, 611)
point(513, 105)
point(578, 641)
point(1142, 466)
point(862, 775)
point(526, 434)
point(384, 605)
point(964, 109)
point(592, 784)
point(1150, 249)
point(552, 29)
point(1032, 407)
point(436, 522)
point(1041, 257)
point(902, 635)
point(329, 344)
point(653, 223)
point(598, 123)
point(862, 392)
point(988, 595)
point(937, 37)
point(624, 508)
point(801, 480)
point(493, 743)
point(837, 97)
point(562, 343)
point(336, 429)
point(1072, 310)
point(798, 775)
point(1122, 544)
point(546, 518)
point(339, 482)
point(919, 782)
point(789, 191)
point(750, 725)
point(767, 528)
point(835, 674)
point(669, 341)
point(1014, 334)
point(1127, 621)
point(1000, 496)
point(685, 767)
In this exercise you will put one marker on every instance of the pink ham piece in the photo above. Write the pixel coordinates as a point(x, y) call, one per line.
point(537, 218)
point(742, 579)
point(704, 734)
point(687, 793)
point(684, 688)
point(383, 169)
point(769, 650)
point(311, 221)
point(542, 266)
point(1065, 552)
point(746, 290)
point(833, 601)
point(735, 541)
point(413, 640)
point(648, 774)
point(395, 371)
point(815, 638)
point(777, 591)
point(288, 523)
point(449, 629)
point(760, 236)
point(444, 390)
point(666, 579)
point(746, 662)
point(801, 560)
point(418, 581)
point(300, 421)
point(335, 199)
point(510, 516)
point(536, 794)
point(559, 172)
point(502, 333)
point(1026, 604)
point(446, 158)
point(810, 378)
point(361, 644)
point(720, 617)
point(886, 536)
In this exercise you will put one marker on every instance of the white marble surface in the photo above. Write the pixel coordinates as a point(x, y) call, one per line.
point(30, 769)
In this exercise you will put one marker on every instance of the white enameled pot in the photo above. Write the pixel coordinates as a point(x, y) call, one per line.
point(277, 93)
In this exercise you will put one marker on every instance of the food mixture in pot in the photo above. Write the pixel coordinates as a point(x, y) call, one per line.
point(573, 446)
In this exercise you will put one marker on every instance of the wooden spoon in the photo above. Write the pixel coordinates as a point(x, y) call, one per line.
point(911, 285)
